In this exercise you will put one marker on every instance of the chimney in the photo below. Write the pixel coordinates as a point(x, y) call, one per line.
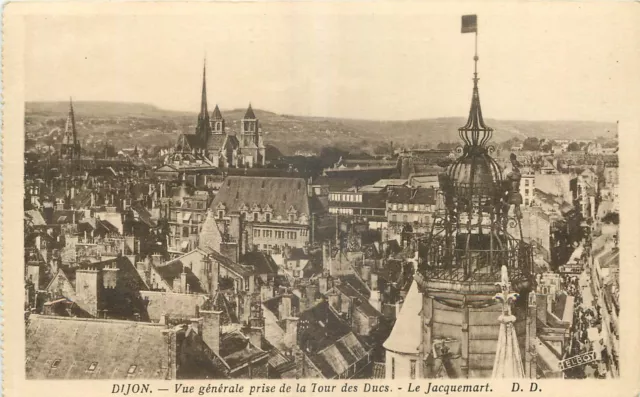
point(235, 227)
point(255, 337)
point(110, 277)
point(87, 290)
point(34, 275)
point(291, 332)
point(211, 329)
point(312, 291)
point(374, 281)
point(285, 306)
point(196, 325)
point(266, 292)
point(183, 281)
point(323, 284)
point(326, 258)
point(334, 301)
point(365, 273)
point(374, 300)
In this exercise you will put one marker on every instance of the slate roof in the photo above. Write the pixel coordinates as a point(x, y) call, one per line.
point(261, 262)
point(172, 270)
point(35, 217)
point(336, 358)
point(408, 195)
point(177, 307)
point(236, 349)
point(215, 141)
point(378, 371)
point(279, 193)
point(65, 348)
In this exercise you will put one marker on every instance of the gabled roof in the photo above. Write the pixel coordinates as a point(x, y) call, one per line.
point(210, 235)
point(236, 350)
point(66, 348)
point(35, 217)
point(261, 262)
point(279, 193)
point(178, 307)
point(216, 141)
point(173, 270)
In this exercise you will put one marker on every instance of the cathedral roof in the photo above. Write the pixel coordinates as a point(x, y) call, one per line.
point(249, 115)
point(406, 334)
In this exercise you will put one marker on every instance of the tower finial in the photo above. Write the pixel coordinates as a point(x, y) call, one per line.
point(475, 133)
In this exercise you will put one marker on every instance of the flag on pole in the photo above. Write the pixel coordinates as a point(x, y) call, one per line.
point(469, 24)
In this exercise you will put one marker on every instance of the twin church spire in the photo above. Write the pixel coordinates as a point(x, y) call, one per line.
point(214, 123)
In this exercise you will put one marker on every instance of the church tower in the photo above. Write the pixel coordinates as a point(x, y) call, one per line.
point(70, 147)
point(251, 140)
point(203, 128)
point(217, 121)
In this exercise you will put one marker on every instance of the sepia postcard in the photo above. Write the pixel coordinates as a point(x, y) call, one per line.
point(314, 198)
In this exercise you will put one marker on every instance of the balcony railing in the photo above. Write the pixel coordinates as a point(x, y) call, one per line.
point(479, 265)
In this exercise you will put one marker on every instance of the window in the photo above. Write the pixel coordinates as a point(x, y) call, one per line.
point(194, 230)
point(220, 214)
point(526, 192)
point(268, 216)
point(395, 207)
point(55, 363)
point(92, 367)
point(255, 217)
point(393, 367)
point(185, 232)
point(526, 182)
point(412, 374)
point(292, 218)
point(256, 232)
point(132, 370)
point(405, 218)
point(394, 218)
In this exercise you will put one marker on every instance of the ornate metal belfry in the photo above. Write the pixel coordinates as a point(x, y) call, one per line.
point(477, 227)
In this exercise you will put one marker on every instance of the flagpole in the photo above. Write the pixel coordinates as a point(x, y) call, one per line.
point(475, 57)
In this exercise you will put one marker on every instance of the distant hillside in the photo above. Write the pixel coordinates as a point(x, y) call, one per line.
point(128, 124)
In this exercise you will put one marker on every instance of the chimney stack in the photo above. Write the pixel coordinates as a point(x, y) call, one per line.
point(87, 289)
point(196, 325)
point(183, 281)
point(285, 306)
point(211, 329)
point(255, 337)
point(291, 332)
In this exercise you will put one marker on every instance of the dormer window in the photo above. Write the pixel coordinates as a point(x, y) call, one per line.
point(132, 370)
point(255, 217)
point(92, 367)
point(268, 217)
point(220, 214)
point(55, 363)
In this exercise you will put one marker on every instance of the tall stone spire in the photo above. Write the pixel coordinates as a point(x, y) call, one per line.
point(203, 129)
point(70, 134)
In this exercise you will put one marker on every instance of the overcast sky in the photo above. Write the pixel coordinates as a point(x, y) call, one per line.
point(570, 61)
